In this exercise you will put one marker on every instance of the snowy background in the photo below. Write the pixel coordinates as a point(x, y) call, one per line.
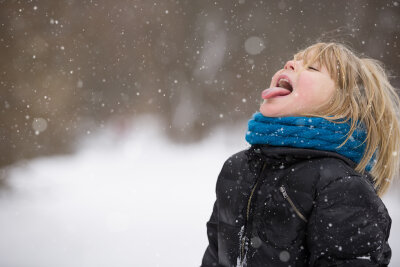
point(136, 200)
point(132, 201)
point(117, 116)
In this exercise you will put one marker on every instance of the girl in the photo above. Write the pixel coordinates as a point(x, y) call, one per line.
point(324, 149)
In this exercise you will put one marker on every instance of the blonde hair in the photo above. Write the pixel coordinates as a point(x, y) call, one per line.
point(364, 95)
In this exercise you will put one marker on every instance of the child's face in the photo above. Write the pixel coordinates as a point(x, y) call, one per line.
point(311, 90)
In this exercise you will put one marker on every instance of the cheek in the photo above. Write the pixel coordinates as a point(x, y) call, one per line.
point(315, 89)
point(306, 83)
point(306, 89)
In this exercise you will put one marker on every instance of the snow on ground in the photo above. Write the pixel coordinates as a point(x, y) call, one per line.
point(122, 200)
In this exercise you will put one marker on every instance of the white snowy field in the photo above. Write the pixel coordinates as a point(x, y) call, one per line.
point(122, 200)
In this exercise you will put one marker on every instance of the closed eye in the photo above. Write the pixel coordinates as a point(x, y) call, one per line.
point(313, 68)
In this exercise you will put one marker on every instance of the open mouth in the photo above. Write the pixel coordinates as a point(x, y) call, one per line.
point(284, 83)
point(283, 87)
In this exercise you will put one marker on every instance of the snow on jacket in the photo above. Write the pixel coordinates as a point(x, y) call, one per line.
point(281, 206)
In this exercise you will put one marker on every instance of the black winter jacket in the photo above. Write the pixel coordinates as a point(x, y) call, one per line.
point(281, 206)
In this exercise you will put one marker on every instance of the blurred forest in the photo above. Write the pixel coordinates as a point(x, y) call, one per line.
point(68, 68)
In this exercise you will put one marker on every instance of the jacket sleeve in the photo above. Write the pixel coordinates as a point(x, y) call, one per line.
point(210, 257)
point(349, 225)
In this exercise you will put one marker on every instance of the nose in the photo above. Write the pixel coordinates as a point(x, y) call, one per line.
point(290, 65)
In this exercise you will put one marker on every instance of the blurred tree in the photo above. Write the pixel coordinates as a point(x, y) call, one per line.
point(69, 67)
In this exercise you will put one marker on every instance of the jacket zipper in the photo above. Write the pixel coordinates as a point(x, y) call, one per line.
point(286, 196)
point(244, 237)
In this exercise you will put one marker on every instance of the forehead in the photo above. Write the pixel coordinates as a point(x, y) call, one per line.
point(309, 55)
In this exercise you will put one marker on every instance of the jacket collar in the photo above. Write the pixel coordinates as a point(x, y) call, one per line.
point(280, 152)
point(267, 152)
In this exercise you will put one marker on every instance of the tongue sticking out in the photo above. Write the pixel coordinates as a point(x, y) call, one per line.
point(274, 91)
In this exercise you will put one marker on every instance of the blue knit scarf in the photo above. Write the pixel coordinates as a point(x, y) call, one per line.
point(308, 132)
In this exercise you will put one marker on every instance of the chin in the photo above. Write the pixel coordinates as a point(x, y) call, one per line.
point(267, 112)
